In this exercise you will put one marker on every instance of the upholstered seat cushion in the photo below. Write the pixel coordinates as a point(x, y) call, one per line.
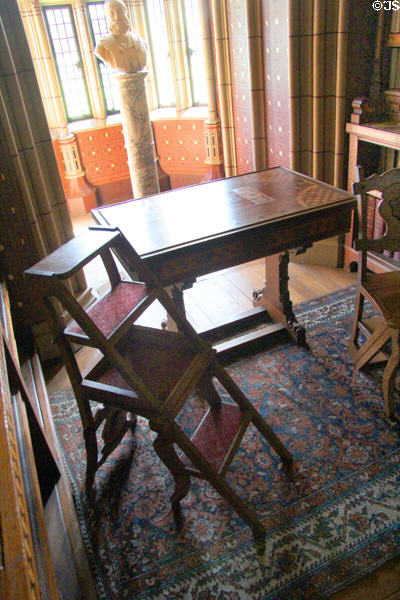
point(159, 361)
point(215, 434)
point(111, 309)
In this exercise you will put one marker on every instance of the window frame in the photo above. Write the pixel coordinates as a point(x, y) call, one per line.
point(97, 60)
point(156, 101)
point(68, 6)
point(189, 51)
point(176, 32)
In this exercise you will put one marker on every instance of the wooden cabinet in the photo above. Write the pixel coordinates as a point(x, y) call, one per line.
point(381, 135)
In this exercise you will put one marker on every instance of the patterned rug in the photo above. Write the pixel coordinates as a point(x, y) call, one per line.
point(337, 519)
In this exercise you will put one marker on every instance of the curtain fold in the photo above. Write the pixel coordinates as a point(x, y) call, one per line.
point(318, 35)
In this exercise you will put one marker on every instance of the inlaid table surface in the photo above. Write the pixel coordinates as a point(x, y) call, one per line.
point(196, 230)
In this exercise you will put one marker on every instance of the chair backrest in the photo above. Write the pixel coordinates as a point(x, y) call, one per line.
point(387, 187)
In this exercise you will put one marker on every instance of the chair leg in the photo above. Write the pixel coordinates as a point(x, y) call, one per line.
point(266, 431)
point(246, 513)
point(355, 329)
point(165, 450)
point(116, 424)
point(371, 347)
point(389, 374)
point(208, 392)
point(220, 485)
point(89, 435)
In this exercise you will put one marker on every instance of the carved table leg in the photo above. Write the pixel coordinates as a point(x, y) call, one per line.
point(89, 434)
point(176, 293)
point(275, 297)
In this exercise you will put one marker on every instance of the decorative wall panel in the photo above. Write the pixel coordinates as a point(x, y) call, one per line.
point(239, 59)
point(180, 147)
point(103, 154)
point(276, 56)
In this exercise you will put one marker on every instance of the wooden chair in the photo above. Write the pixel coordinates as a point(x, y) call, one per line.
point(146, 371)
point(381, 289)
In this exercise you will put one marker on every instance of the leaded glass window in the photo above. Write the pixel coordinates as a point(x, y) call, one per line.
point(68, 61)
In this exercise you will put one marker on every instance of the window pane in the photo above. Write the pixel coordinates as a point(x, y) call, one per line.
point(194, 45)
point(99, 30)
point(160, 52)
point(68, 61)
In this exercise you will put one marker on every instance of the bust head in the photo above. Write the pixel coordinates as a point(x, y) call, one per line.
point(123, 50)
point(117, 17)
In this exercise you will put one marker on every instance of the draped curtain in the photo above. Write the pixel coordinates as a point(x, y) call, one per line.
point(318, 36)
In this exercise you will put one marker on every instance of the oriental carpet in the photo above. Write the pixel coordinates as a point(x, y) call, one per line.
point(335, 520)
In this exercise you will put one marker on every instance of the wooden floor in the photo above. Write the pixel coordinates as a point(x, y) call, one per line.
point(207, 303)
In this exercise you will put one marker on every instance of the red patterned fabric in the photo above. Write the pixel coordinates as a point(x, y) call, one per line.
point(216, 432)
point(112, 377)
point(159, 362)
point(108, 312)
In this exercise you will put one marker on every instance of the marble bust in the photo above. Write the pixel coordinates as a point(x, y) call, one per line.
point(123, 50)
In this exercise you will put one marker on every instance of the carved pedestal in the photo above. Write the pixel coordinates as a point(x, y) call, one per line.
point(212, 132)
point(80, 195)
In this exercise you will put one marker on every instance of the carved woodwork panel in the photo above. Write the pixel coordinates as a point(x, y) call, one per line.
point(180, 146)
point(103, 154)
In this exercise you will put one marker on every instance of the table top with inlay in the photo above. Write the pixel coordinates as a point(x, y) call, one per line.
point(188, 232)
point(204, 211)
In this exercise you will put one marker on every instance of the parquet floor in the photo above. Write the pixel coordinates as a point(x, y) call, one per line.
point(207, 303)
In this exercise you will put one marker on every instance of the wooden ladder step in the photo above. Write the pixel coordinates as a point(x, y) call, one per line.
point(219, 434)
point(115, 311)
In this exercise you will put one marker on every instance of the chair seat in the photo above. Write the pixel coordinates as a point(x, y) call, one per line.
point(216, 433)
point(158, 362)
point(113, 308)
point(384, 290)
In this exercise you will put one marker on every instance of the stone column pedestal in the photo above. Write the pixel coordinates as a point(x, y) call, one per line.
point(138, 133)
point(214, 158)
point(80, 194)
